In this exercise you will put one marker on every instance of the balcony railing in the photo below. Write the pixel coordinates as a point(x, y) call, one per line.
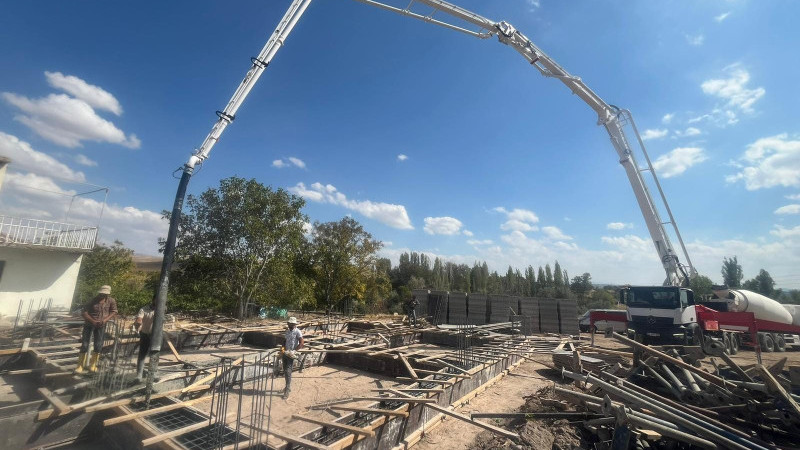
point(44, 233)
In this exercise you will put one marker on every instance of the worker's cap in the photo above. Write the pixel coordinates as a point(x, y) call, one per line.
point(292, 320)
point(106, 289)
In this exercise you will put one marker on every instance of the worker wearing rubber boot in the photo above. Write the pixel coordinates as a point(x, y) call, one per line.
point(96, 313)
point(294, 342)
point(144, 325)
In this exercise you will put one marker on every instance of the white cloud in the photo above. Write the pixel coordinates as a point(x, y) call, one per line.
point(289, 162)
point(788, 209)
point(691, 131)
point(722, 17)
point(734, 89)
point(667, 118)
point(786, 233)
point(555, 234)
point(389, 214)
point(793, 197)
point(696, 40)
point(67, 121)
point(468, 233)
point(517, 225)
point(619, 226)
point(523, 215)
point(85, 160)
point(402, 157)
point(442, 225)
point(653, 134)
point(95, 96)
point(23, 156)
point(35, 196)
point(477, 242)
point(533, 5)
point(769, 162)
point(678, 161)
point(297, 162)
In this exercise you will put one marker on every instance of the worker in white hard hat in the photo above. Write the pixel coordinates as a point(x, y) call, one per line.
point(294, 342)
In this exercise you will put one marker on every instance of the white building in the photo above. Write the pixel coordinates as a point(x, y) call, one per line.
point(39, 261)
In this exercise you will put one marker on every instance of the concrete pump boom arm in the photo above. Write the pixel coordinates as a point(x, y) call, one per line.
point(612, 118)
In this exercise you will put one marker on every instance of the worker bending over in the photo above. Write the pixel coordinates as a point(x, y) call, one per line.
point(144, 325)
point(96, 313)
point(294, 342)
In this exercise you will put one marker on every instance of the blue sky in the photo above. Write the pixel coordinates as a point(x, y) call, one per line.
point(499, 163)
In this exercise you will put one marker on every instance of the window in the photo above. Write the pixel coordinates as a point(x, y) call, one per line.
point(657, 297)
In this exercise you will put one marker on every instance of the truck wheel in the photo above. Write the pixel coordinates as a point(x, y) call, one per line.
point(734, 344)
point(767, 344)
point(780, 343)
point(726, 342)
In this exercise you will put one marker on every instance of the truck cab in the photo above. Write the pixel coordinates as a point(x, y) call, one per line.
point(659, 313)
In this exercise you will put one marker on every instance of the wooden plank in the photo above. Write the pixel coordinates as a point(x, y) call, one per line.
point(432, 372)
point(408, 367)
point(128, 401)
point(452, 366)
point(425, 380)
point(172, 350)
point(775, 387)
point(326, 405)
point(175, 433)
point(403, 398)
point(505, 433)
point(435, 390)
point(53, 399)
point(385, 412)
point(212, 376)
point(330, 424)
point(150, 412)
point(287, 438)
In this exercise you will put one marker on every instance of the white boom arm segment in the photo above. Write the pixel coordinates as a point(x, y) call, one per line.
point(612, 118)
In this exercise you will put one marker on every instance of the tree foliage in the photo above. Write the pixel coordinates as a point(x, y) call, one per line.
point(701, 285)
point(762, 283)
point(113, 265)
point(344, 261)
point(732, 272)
point(237, 246)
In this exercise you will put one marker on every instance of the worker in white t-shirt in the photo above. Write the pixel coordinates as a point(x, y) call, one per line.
point(144, 325)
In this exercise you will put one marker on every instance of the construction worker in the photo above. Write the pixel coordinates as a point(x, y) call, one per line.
point(96, 313)
point(411, 310)
point(294, 342)
point(144, 325)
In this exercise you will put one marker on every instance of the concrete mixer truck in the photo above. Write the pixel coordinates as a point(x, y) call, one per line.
point(732, 319)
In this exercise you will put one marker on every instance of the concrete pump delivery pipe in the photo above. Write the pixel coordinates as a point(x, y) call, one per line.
point(764, 308)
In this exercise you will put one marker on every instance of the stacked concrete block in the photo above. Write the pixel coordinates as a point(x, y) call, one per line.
point(437, 307)
point(499, 308)
point(568, 316)
point(477, 309)
point(529, 308)
point(457, 308)
point(548, 315)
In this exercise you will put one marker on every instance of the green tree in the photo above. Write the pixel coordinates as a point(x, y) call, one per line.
point(113, 265)
point(701, 285)
point(762, 283)
point(732, 272)
point(582, 285)
point(238, 243)
point(344, 257)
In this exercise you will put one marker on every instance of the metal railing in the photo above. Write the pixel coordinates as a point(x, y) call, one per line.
point(45, 233)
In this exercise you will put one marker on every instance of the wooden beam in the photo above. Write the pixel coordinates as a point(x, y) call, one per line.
point(454, 375)
point(53, 399)
point(286, 437)
point(403, 398)
point(385, 412)
point(172, 349)
point(452, 366)
point(436, 390)
point(505, 433)
point(326, 405)
point(150, 412)
point(775, 387)
point(330, 424)
point(175, 433)
point(425, 380)
point(212, 376)
point(408, 367)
